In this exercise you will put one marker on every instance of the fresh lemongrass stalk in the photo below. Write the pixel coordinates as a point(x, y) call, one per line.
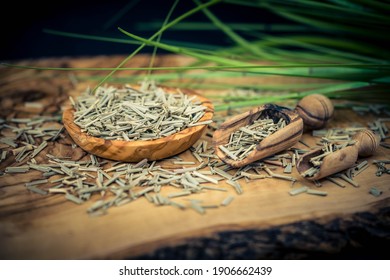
point(170, 80)
point(235, 37)
point(190, 45)
point(300, 71)
point(168, 25)
point(159, 36)
point(346, 45)
point(319, 8)
point(325, 24)
point(236, 68)
point(306, 43)
point(90, 37)
point(214, 85)
point(325, 90)
point(237, 26)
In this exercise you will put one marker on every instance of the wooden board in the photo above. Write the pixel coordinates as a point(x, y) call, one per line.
point(33, 226)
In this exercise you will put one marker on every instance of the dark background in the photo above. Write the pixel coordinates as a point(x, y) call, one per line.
point(23, 23)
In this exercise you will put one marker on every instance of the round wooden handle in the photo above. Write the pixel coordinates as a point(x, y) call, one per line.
point(315, 110)
point(367, 142)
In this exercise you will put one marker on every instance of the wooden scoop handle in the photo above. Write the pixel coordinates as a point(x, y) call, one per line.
point(367, 142)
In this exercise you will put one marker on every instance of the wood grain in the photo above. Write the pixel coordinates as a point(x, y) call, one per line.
point(33, 226)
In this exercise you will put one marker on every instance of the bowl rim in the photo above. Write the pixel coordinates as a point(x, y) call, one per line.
point(70, 125)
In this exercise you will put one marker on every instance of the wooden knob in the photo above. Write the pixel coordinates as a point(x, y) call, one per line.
point(315, 110)
point(367, 142)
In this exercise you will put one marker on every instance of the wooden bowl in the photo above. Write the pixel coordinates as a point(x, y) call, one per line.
point(135, 151)
point(276, 142)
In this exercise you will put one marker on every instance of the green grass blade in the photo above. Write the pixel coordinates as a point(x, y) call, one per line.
point(175, 21)
point(302, 41)
point(159, 36)
point(236, 26)
point(310, 7)
point(326, 25)
point(91, 37)
point(234, 36)
point(188, 45)
point(342, 68)
point(268, 99)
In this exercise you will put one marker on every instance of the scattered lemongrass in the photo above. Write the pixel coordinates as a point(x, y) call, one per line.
point(375, 192)
point(297, 191)
point(316, 192)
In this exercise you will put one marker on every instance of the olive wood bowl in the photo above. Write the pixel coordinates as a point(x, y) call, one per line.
point(135, 151)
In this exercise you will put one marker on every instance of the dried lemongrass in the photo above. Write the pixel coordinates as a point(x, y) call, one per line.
point(197, 207)
point(3, 155)
point(178, 194)
point(73, 198)
point(349, 180)
point(130, 114)
point(120, 183)
point(36, 182)
point(245, 139)
point(375, 192)
point(8, 141)
point(333, 180)
point(316, 192)
point(283, 177)
point(359, 168)
point(297, 191)
point(39, 149)
point(380, 128)
point(288, 168)
point(177, 205)
point(227, 200)
point(214, 188)
point(254, 176)
point(381, 165)
point(17, 169)
point(37, 190)
point(237, 187)
point(184, 162)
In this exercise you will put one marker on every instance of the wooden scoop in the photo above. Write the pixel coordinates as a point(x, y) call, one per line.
point(279, 141)
point(313, 110)
point(366, 144)
point(135, 151)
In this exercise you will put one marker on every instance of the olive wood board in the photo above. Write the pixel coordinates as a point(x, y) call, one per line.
point(34, 226)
